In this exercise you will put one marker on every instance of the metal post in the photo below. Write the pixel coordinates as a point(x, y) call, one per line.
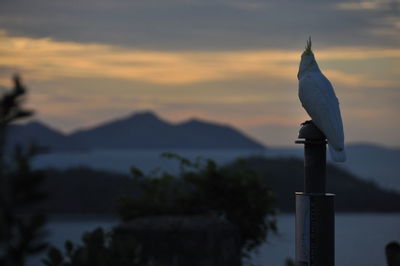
point(392, 251)
point(314, 208)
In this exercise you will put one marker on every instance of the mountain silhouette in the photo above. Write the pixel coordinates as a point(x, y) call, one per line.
point(147, 131)
point(144, 130)
point(40, 134)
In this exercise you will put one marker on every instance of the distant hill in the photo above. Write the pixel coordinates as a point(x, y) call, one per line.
point(374, 162)
point(83, 190)
point(369, 161)
point(42, 135)
point(147, 131)
point(285, 175)
point(139, 131)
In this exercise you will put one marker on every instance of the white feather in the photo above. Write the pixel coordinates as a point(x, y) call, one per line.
point(337, 155)
point(319, 100)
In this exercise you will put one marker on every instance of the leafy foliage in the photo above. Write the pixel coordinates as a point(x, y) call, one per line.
point(98, 249)
point(19, 188)
point(203, 188)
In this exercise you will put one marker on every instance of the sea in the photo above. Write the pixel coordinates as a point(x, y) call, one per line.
point(360, 239)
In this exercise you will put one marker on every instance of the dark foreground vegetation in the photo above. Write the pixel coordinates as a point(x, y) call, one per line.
point(20, 236)
point(174, 209)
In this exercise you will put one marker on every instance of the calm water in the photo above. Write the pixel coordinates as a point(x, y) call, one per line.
point(360, 238)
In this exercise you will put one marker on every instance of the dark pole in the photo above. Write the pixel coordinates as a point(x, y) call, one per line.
point(314, 208)
point(392, 251)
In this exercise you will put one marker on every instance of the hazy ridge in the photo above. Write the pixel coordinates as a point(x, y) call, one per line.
point(146, 131)
point(143, 130)
point(84, 190)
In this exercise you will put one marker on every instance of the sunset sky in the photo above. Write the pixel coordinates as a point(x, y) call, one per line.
point(227, 61)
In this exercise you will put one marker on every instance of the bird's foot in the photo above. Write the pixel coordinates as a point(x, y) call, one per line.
point(307, 122)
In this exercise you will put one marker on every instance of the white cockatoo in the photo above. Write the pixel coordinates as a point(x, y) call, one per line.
point(318, 98)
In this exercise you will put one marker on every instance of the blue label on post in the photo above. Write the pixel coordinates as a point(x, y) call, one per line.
point(302, 229)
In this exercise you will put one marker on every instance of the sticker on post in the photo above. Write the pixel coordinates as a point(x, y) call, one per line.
point(302, 230)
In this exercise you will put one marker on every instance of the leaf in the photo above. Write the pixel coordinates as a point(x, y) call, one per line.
point(69, 247)
point(55, 257)
point(136, 172)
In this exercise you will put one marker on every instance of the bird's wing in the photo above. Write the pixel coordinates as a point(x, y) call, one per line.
point(318, 98)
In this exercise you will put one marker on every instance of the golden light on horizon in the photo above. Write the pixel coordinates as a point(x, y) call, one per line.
point(83, 84)
point(45, 58)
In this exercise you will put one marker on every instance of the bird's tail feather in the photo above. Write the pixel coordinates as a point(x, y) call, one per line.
point(337, 155)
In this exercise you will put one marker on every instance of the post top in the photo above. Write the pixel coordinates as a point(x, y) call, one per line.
point(311, 133)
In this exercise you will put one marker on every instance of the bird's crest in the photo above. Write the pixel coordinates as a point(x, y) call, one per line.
point(307, 49)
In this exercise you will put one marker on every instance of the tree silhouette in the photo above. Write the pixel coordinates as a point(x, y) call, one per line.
point(203, 188)
point(19, 186)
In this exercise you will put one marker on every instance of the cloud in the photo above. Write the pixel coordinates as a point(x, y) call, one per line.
point(383, 16)
point(45, 58)
point(254, 89)
point(201, 25)
point(359, 5)
point(369, 5)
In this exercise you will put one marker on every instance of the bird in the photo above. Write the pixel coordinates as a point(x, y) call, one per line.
point(318, 98)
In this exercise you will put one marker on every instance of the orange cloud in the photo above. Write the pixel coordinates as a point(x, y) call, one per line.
point(48, 59)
